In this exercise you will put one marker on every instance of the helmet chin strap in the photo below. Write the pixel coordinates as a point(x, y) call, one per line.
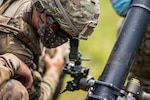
point(42, 26)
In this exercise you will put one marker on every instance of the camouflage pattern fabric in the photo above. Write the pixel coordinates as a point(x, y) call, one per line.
point(10, 88)
point(83, 14)
point(13, 90)
point(9, 43)
point(47, 83)
point(8, 65)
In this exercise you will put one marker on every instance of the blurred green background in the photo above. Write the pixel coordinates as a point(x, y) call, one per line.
point(97, 48)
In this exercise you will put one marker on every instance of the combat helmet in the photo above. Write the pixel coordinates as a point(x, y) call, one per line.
point(76, 17)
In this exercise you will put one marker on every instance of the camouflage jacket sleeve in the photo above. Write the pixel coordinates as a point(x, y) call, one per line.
point(4, 74)
point(48, 85)
point(8, 65)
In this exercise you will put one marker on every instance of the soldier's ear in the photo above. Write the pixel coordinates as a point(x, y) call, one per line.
point(35, 18)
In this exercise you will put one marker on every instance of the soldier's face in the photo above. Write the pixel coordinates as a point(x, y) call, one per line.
point(53, 35)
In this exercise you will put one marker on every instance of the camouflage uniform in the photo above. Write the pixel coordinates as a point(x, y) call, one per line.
point(12, 25)
point(83, 13)
point(20, 39)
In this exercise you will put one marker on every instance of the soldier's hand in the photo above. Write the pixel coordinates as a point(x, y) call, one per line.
point(25, 75)
point(56, 63)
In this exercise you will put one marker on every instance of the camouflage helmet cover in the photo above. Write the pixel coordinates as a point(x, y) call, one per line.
point(83, 15)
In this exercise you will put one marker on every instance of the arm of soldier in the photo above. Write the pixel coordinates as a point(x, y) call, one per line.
point(54, 68)
point(11, 65)
point(121, 6)
point(4, 73)
point(25, 74)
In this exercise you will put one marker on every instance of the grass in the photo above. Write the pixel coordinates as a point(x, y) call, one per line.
point(97, 48)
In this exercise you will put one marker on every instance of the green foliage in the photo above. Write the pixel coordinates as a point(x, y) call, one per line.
point(97, 48)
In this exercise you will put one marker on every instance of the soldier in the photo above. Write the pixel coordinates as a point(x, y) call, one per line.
point(140, 68)
point(26, 28)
